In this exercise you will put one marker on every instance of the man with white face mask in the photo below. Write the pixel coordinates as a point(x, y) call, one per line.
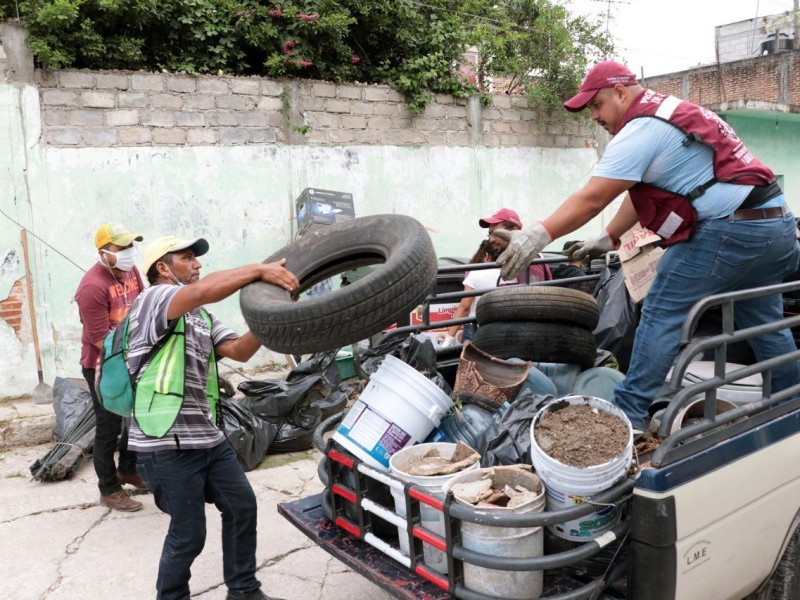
point(104, 296)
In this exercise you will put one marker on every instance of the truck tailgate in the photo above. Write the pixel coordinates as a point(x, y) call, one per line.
point(306, 514)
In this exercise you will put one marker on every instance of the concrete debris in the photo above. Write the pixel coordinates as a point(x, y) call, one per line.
point(432, 463)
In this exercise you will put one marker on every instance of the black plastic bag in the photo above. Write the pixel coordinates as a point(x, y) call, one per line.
point(313, 379)
point(507, 441)
point(322, 365)
point(414, 351)
point(296, 431)
point(619, 315)
point(70, 401)
point(249, 435)
point(336, 402)
point(74, 432)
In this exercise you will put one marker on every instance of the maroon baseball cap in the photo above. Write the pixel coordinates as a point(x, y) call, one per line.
point(606, 74)
point(504, 214)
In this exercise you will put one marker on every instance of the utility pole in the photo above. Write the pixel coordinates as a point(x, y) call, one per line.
point(796, 42)
point(610, 2)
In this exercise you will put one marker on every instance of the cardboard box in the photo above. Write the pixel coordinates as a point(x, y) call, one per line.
point(639, 256)
point(319, 208)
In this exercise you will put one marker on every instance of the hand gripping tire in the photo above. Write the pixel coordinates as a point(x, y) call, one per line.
point(405, 273)
point(538, 303)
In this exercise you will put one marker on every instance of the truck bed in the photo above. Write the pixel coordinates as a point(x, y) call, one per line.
point(307, 515)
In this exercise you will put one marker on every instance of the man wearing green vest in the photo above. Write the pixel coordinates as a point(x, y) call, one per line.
point(183, 456)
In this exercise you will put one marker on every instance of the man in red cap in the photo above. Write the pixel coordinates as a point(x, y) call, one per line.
point(690, 179)
point(508, 220)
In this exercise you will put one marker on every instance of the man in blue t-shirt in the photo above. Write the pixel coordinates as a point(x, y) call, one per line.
point(732, 245)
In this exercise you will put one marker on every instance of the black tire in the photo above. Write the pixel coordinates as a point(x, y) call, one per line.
point(322, 471)
point(784, 583)
point(327, 506)
point(538, 303)
point(538, 342)
point(405, 274)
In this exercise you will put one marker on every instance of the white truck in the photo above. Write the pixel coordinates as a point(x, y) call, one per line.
point(710, 512)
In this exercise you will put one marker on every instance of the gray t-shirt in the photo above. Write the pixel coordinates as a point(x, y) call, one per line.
point(193, 428)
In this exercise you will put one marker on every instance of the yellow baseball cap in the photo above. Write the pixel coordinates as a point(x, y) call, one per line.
point(168, 244)
point(115, 233)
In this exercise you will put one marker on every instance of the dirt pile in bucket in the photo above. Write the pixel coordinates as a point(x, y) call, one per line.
point(581, 436)
point(432, 463)
point(484, 493)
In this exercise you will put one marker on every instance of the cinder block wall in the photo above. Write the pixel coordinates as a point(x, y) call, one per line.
point(104, 109)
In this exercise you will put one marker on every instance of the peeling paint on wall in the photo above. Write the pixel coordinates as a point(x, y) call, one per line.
point(241, 198)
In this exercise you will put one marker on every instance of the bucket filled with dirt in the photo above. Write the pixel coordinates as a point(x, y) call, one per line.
point(430, 467)
point(581, 446)
point(501, 491)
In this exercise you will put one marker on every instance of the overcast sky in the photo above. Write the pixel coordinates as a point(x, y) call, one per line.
point(667, 36)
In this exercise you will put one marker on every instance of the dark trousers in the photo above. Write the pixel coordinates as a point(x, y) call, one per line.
point(182, 482)
point(106, 440)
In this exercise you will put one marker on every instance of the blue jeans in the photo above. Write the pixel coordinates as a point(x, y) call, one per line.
point(182, 482)
point(723, 256)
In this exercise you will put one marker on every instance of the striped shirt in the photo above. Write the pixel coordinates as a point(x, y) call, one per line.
point(193, 428)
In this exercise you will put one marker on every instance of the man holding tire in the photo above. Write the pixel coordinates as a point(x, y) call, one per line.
point(690, 179)
point(183, 456)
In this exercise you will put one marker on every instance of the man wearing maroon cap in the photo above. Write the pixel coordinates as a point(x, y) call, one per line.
point(691, 180)
point(508, 220)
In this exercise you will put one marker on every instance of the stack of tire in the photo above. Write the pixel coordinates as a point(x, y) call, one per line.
point(538, 323)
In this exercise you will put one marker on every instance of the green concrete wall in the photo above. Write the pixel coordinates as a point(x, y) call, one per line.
point(775, 140)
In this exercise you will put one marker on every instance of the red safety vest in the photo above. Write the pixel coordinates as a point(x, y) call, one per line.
point(670, 214)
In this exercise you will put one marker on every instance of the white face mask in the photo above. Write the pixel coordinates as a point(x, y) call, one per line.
point(126, 259)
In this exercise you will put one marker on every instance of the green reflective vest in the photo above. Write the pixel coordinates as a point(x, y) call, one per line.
point(159, 391)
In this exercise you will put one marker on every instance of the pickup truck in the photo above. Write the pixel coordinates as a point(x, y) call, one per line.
point(710, 509)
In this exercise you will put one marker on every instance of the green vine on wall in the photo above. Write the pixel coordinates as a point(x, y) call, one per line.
point(286, 111)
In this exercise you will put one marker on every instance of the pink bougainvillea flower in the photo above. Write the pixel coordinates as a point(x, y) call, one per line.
point(275, 13)
point(355, 59)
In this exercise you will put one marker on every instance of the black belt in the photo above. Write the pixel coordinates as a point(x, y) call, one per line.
point(754, 214)
point(761, 194)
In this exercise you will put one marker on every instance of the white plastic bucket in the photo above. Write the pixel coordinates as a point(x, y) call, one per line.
point(430, 518)
point(568, 485)
point(741, 391)
point(398, 408)
point(510, 542)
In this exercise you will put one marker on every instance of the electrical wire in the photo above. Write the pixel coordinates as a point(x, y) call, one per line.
point(56, 250)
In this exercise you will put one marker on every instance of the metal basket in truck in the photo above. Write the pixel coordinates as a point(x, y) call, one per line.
point(710, 510)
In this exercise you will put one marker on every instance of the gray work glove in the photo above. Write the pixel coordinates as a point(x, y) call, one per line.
point(523, 247)
point(590, 248)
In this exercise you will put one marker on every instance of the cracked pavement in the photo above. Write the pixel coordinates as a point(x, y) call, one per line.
point(59, 543)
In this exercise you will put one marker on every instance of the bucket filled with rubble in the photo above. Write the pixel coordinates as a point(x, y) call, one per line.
point(430, 467)
point(501, 490)
point(580, 446)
